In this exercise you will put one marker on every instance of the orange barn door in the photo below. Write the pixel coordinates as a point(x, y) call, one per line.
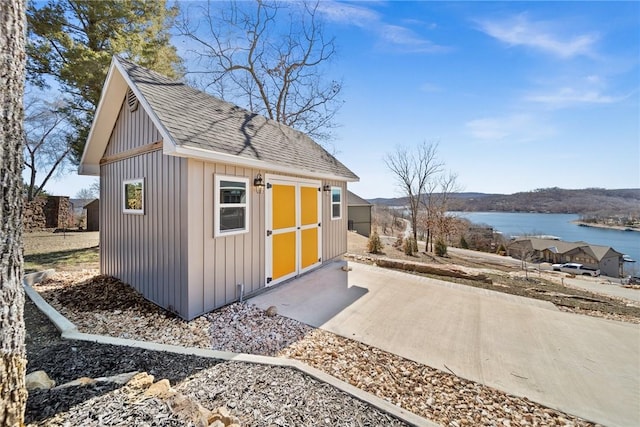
point(293, 242)
point(284, 231)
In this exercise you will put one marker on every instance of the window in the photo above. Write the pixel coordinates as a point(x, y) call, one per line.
point(231, 205)
point(133, 196)
point(336, 202)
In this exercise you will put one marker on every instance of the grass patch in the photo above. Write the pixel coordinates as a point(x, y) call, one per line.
point(70, 259)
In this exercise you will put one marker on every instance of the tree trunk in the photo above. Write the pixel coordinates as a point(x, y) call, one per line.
point(12, 361)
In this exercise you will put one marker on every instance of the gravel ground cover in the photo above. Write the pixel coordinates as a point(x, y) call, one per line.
point(89, 303)
point(256, 395)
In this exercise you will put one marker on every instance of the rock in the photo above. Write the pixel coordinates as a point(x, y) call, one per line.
point(346, 268)
point(160, 389)
point(222, 410)
point(118, 379)
point(271, 311)
point(83, 381)
point(39, 380)
point(141, 381)
point(197, 414)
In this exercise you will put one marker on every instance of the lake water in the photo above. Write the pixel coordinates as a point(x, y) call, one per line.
point(559, 225)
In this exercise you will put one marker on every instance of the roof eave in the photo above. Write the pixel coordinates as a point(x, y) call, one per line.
point(103, 121)
point(113, 92)
point(203, 154)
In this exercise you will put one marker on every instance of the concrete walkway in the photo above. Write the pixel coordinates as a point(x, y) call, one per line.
point(581, 365)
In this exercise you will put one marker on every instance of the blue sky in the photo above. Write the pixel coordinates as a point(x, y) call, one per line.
point(518, 95)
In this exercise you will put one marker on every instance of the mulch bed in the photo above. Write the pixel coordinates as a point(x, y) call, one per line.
point(65, 361)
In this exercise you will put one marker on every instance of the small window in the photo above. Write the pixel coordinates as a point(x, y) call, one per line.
point(231, 205)
point(133, 196)
point(336, 202)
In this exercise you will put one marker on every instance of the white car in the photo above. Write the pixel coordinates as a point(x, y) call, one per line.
point(577, 269)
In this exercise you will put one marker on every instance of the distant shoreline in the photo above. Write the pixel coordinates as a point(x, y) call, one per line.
point(605, 226)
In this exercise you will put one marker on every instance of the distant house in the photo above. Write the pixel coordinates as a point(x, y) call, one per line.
point(93, 215)
point(203, 202)
point(605, 258)
point(359, 214)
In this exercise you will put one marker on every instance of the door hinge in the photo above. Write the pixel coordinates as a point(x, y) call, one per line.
point(319, 224)
point(269, 279)
point(269, 233)
point(269, 185)
point(319, 259)
point(319, 189)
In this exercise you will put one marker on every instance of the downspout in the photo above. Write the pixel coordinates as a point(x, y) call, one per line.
point(241, 286)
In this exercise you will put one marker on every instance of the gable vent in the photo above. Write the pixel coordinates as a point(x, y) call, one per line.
point(132, 100)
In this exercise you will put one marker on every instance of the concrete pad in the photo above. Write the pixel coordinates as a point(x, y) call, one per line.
point(581, 365)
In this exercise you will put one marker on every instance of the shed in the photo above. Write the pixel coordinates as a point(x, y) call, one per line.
point(93, 215)
point(203, 202)
point(359, 214)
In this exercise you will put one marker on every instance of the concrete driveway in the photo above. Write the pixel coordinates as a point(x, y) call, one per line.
point(581, 365)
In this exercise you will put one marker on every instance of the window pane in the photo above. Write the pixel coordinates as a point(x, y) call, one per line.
point(335, 195)
point(233, 192)
point(232, 219)
point(133, 196)
point(335, 211)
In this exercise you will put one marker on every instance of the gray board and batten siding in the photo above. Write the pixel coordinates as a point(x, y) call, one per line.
point(169, 254)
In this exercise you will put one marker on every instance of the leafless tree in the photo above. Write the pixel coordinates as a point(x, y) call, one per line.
point(437, 205)
point(414, 171)
point(13, 362)
point(47, 145)
point(269, 57)
point(91, 192)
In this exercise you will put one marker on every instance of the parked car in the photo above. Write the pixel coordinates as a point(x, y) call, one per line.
point(577, 269)
point(631, 280)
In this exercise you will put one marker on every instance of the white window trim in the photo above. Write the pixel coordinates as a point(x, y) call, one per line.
point(336, 203)
point(124, 192)
point(217, 205)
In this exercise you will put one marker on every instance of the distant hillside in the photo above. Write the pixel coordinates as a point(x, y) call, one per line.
point(546, 200)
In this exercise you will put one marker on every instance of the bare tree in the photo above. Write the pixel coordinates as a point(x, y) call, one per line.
point(47, 144)
point(414, 171)
point(437, 206)
point(268, 57)
point(12, 361)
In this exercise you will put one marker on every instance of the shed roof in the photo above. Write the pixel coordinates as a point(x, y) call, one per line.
point(196, 124)
point(355, 200)
point(94, 202)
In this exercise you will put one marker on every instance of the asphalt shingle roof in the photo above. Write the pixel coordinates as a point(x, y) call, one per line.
point(196, 119)
point(354, 200)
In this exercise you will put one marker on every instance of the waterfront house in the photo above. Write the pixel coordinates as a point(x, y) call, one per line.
point(203, 202)
point(605, 258)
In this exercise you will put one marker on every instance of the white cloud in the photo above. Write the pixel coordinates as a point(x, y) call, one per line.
point(430, 87)
point(347, 13)
point(567, 96)
point(396, 37)
point(406, 39)
point(514, 128)
point(573, 91)
point(521, 31)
